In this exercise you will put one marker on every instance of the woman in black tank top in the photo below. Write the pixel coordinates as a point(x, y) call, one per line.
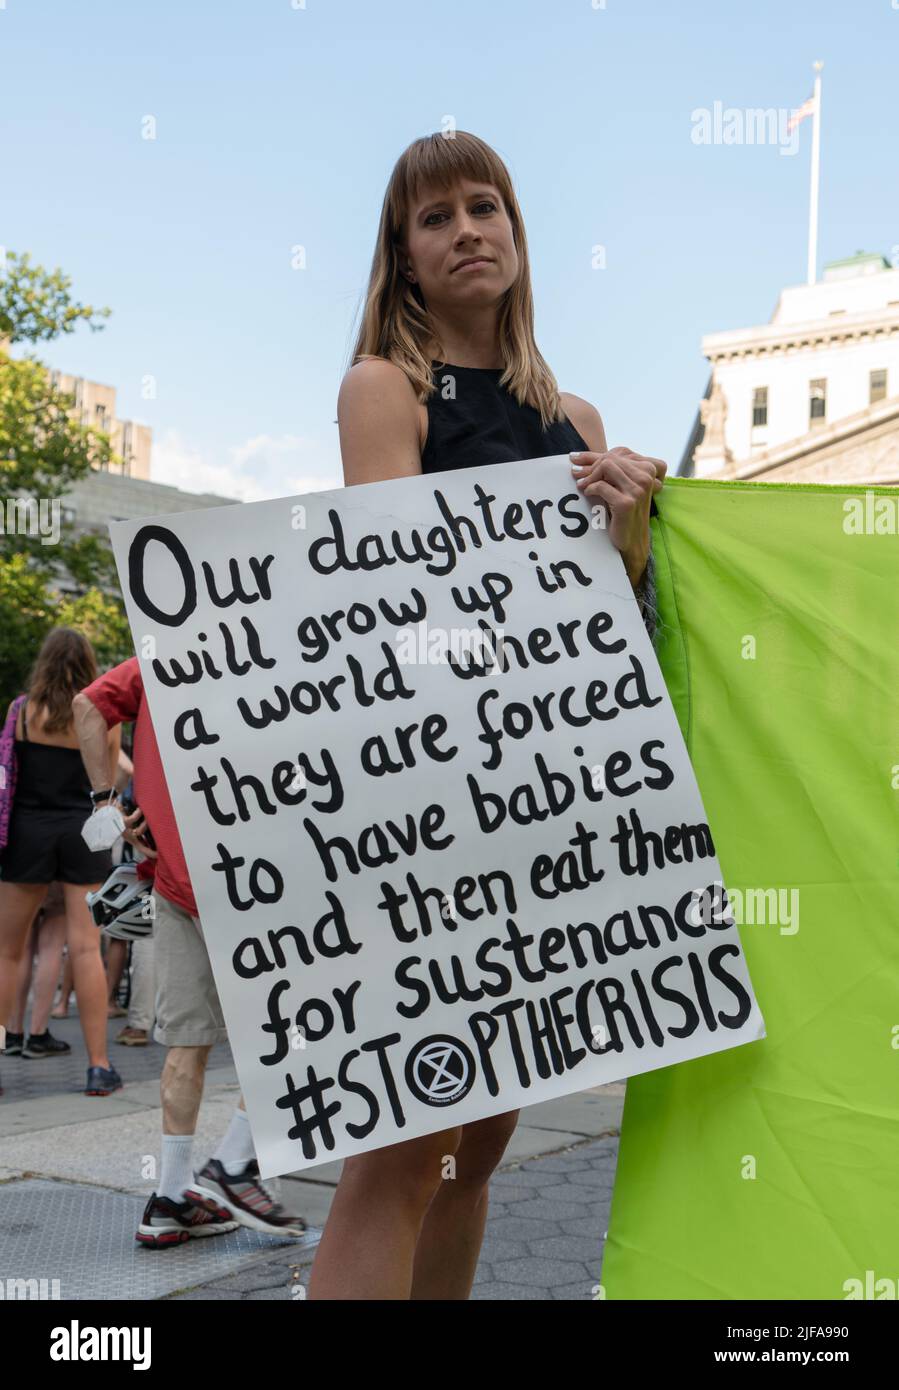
point(447, 375)
point(50, 805)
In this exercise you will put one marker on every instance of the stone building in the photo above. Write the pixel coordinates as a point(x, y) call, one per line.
point(813, 395)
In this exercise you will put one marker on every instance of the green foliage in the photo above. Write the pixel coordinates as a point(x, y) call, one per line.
point(35, 304)
point(44, 450)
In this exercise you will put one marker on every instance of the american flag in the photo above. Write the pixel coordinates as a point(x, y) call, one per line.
point(806, 109)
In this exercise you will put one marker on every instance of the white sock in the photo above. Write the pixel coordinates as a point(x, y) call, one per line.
point(177, 1172)
point(236, 1149)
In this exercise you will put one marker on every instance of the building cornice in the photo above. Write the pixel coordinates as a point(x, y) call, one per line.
point(775, 340)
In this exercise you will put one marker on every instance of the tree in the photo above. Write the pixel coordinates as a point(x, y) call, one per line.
point(43, 451)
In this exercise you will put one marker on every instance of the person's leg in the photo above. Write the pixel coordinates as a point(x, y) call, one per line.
point(169, 1217)
point(446, 1256)
point(116, 956)
point(16, 1022)
point(236, 1148)
point(188, 1026)
point(230, 1179)
point(367, 1249)
point(181, 1088)
point(50, 942)
point(141, 1010)
point(65, 990)
point(18, 904)
point(88, 974)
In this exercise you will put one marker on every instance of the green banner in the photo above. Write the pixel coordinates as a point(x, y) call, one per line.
point(772, 1171)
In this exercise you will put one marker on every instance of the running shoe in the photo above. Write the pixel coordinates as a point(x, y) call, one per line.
point(102, 1081)
point(166, 1222)
point(246, 1198)
point(44, 1045)
point(14, 1042)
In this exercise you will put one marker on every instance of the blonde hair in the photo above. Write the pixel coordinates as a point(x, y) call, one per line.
point(396, 324)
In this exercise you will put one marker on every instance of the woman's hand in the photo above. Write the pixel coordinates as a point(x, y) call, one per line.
point(626, 482)
point(135, 826)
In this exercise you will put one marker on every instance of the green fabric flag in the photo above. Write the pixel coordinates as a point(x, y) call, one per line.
point(770, 1171)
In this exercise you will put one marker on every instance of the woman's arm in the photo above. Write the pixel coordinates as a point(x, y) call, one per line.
point(378, 415)
point(637, 557)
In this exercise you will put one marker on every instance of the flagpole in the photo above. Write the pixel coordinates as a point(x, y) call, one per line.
point(816, 166)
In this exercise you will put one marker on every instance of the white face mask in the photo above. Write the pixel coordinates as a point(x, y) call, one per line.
point(103, 827)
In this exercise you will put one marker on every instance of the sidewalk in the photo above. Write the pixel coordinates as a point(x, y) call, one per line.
point(75, 1171)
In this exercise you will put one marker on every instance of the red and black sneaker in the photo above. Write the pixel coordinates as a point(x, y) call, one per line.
point(166, 1222)
point(245, 1196)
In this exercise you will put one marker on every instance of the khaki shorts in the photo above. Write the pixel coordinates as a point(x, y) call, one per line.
point(188, 1012)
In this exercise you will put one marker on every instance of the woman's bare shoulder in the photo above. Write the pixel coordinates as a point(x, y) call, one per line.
point(375, 374)
point(379, 417)
point(586, 420)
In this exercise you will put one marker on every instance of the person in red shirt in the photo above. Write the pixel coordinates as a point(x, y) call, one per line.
point(189, 1019)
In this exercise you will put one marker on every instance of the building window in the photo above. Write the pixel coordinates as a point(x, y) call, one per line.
point(817, 402)
point(101, 416)
point(878, 386)
point(760, 406)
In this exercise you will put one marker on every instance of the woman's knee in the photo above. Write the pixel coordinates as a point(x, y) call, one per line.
point(84, 945)
point(18, 906)
point(411, 1171)
point(483, 1144)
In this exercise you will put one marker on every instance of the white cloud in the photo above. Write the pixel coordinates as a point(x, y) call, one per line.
point(263, 467)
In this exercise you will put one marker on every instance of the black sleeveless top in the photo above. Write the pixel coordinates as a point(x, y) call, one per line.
point(50, 778)
point(472, 421)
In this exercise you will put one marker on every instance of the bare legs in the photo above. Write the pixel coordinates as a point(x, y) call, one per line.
point(407, 1221)
point(181, 1088)
point(51, 938)
point(116, 956)
point(446, 1256)
point(87, 971)
point(65, 991)
point(18, 904)
point(16, 1021)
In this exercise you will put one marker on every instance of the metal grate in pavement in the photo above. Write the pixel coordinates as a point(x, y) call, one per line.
point(84, 1238)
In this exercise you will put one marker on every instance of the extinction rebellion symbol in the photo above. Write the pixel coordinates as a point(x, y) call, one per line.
point(440, 1070)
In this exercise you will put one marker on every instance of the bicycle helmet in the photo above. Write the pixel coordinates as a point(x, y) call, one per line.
point(122, 906)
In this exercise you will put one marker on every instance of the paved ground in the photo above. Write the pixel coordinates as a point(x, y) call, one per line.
point(71, 1164)
point(545, 1235)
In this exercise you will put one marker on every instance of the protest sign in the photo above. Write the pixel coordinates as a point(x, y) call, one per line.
point(440, 821)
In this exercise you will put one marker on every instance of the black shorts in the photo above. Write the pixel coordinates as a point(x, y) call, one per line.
point(46, 845)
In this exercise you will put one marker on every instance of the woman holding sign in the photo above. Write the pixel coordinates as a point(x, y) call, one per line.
point(447, 374)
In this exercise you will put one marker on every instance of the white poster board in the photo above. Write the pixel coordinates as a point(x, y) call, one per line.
point(442, 829)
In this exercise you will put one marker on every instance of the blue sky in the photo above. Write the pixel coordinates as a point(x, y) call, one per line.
point(278, 125)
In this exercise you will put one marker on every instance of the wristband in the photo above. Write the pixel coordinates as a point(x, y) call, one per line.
point(97, 797)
